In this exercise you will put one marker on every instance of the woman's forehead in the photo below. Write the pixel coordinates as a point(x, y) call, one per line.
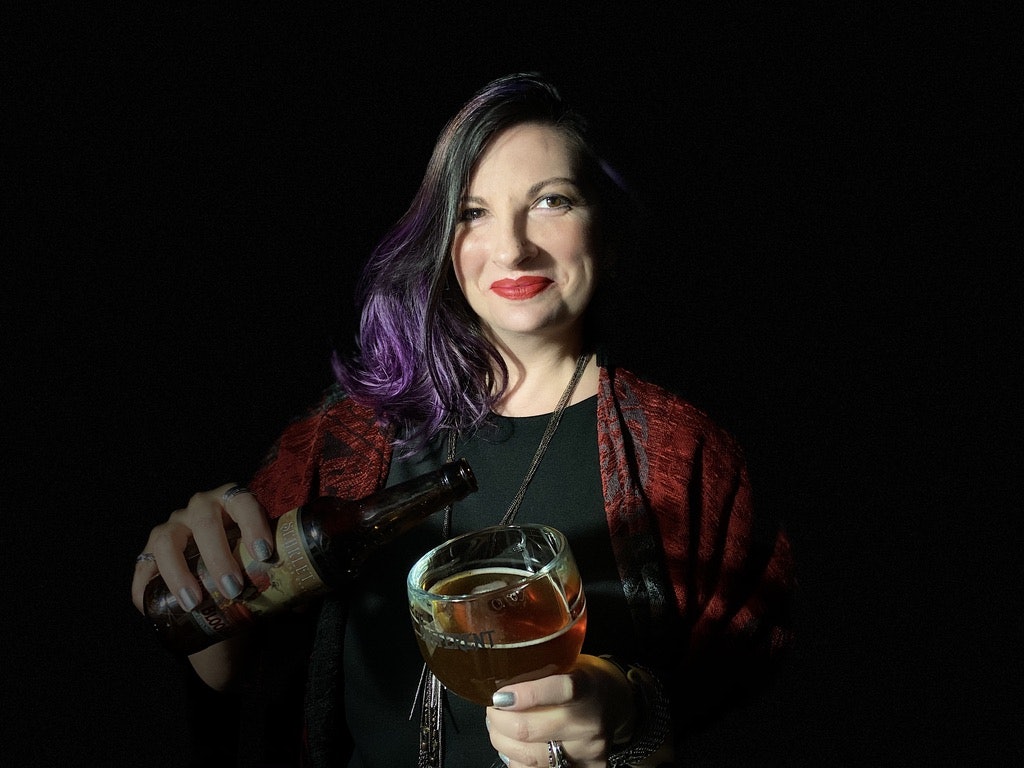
point(525, 149)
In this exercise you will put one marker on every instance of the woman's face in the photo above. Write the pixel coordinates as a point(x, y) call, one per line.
point(522, 252)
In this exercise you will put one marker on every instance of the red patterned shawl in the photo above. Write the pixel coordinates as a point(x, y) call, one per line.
point(703, 586)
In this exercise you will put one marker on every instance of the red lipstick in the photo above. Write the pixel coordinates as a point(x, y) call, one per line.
point(521, 288)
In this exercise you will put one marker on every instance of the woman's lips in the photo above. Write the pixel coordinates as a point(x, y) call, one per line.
point(520, 288)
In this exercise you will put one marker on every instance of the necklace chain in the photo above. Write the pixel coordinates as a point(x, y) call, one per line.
point(542, 447)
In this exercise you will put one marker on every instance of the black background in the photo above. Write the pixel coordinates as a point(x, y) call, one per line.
point(190, 192)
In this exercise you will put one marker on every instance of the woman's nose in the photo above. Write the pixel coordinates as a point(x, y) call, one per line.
point(514, 245)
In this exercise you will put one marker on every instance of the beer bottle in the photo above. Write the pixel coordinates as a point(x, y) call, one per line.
point(318, 547)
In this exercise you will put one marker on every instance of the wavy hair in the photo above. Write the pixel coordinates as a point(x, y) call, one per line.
point(422, 362)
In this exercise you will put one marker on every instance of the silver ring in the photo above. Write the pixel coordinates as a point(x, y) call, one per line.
point(146, 557)
point(556, 756)
point(233, 491)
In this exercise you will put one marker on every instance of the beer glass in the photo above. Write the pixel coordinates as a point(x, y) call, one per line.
point(498, 606)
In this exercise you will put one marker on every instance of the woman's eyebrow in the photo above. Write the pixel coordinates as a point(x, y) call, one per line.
point(533, 190)
point(553, 180)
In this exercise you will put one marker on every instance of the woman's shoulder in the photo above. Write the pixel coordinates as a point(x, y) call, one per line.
point(333, 420)
point(655, 395)
point(335, 403)
point(333, 448)
point(667, 413)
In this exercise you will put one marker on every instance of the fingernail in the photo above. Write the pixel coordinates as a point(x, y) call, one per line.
point(261, 549)
point(187, 598)
point(231, 586)
point(503, 699)
point(504, 758)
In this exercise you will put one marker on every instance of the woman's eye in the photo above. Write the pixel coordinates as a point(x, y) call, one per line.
point(471, 214)
point(554, 201)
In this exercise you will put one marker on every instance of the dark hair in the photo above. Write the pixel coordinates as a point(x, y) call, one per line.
point(422, 362)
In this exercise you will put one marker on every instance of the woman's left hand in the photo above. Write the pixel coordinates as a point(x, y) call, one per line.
point(581, 709)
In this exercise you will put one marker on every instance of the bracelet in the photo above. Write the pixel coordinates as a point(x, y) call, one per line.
point(652, 720)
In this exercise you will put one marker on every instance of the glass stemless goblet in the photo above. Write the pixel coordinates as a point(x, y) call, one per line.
point(498, 606)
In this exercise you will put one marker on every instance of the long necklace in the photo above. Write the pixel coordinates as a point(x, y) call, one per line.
point(542, 447)
point(430, 692)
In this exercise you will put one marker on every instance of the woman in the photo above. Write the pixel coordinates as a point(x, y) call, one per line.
point(477, 337)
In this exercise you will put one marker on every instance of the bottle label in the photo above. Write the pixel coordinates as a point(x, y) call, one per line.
point(269, 586)
point(289, 576)
point(221, 619)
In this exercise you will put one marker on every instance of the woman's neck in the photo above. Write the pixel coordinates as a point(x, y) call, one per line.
point(537, 382)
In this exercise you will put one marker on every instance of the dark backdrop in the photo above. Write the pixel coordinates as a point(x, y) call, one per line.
point(825, 275)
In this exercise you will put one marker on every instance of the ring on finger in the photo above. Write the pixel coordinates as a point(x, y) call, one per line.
point(146, 557)
point(234, 490)
point(556, 755)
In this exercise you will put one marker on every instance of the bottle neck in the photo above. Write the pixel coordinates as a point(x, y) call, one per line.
point(341, 534)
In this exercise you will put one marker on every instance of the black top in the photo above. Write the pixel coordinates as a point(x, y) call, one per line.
point(382, 663)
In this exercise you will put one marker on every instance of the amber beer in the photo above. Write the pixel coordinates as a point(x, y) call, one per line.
point(494, 625)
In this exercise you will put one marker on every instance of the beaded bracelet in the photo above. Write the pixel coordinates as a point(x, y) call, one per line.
point(652, 721)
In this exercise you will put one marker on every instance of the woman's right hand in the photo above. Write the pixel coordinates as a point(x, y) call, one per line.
point(205, 521)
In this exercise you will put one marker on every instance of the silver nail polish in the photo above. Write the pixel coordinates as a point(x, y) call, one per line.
point(504, 758)
point(261, 549)
point(187, 599)
point(503, 699)
point(230, 586)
